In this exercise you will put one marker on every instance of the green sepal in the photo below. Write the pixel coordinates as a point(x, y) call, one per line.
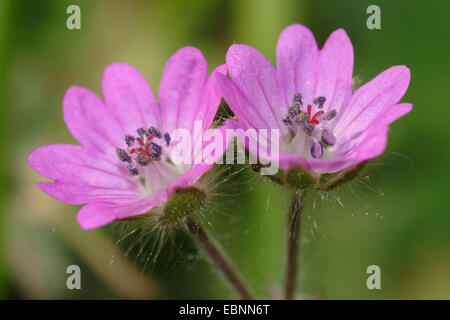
point(330, 181)
point(182, 203)
point(299, 178)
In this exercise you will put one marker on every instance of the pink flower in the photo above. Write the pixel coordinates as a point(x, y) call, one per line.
point(122, 167)
point(324, 125)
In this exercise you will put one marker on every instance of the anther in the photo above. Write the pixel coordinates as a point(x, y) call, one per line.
point(133, 171)
point(287, 121)
point(155, 151)
point(142, 133)
point(330, 115)
point(294, 110)
point(328, 137)
point(142, 160)
point(297, 100)
point(123, 155)
point(319, 101)
point(129, 140)
point(317, 150)
point(167, 139)
point(155, 132)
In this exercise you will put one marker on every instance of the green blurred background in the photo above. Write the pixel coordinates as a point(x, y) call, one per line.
point(395, 216)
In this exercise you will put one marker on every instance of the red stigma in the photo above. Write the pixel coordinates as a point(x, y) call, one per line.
point(314, 118)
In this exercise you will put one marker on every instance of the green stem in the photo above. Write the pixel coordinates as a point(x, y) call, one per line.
point(219, 260)
point(295, 212)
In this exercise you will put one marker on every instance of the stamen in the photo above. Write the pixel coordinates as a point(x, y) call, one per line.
point(287, 121)
point(142, 133)
point(167, 139)
point(319, 101)
point(155, 132)
point(330, 115)
point(309, 121)
point(133, 171)
point(129, 140)
point(142, 160)
point(294, 110)
point(328, 137)
point(317, 150)
point(155, 152)
point(297, 100)
point(123, 155)
point(145, 151)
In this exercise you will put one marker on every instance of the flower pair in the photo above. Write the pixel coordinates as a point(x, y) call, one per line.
point(123, 167)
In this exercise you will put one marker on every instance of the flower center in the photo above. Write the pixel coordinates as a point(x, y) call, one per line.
point(144, 149)
point(311, 122)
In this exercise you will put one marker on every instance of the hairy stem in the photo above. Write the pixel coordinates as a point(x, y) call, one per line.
point(295, 212)
point(219, 260)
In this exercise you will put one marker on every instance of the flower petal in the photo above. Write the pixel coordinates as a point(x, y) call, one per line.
point(288, 161)
point(210, 99)
point(80, 167)
point(97, 214)
point(334, 71)
point(239, 104)
point(181, 86)
point(189, 178)
point(256, 77)
point(94, 215)
point(393, 113)
point(129, 97)
point(372, 100)
point(89, 120)
point(297, 54)
point(371, 147)
point(74, 194)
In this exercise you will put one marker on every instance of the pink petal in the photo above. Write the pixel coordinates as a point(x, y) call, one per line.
point(189, 178)
point(334, 71)
point(373, 146)
point(80, 167)
point(372, 100)
point(129, 98)
point(90, 121)
point(256, 77)
point(94, 215)
point(76, 194)
point(181, 87)
point(288, 161)
point(297, 54)
point(241, 106)
point(97, 214)
point(393, 113)
point(249, 141)
point(210, 99)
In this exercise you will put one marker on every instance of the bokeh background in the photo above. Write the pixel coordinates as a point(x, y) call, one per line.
point(395, 216)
